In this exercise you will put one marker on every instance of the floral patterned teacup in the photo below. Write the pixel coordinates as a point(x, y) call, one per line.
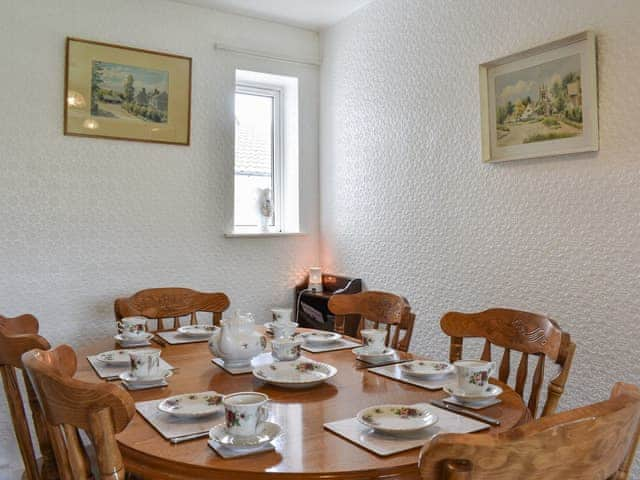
point(284, 329)
point(145, 364)
point(473, 375)
point(373, 340)
point(282, 315)
point(286, 349)
point(245, 413)
point(133, 328)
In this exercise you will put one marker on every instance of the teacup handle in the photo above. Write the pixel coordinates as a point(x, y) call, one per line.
point(263, 415)
point(120, 326)
point(492, 369)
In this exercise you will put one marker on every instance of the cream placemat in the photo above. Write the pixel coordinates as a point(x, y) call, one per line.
point(341, 344)
point(395, 372)
point(170, 426)
point(112, 372)
point(381, 444)
point(227, 452)
point(258, 361)
point(176, 338)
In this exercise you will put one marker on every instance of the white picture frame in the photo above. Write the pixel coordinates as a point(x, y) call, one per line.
point(541, 102)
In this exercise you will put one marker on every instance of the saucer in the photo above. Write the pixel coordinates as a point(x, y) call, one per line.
point(199, 330)
point(426, 369)
point(130, 379)
point(133, 342)
point(364, 355)
point(301, 373)
point(192, 405)
point(492, 391)
point(396, 419)
point(118, 357)
point(219, 434)
point(321, 338)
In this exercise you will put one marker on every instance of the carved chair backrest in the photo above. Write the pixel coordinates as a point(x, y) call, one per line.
point(100, 409)
point(596, 442)
point(17, 336)
point(167, 303)
point(376, 308)
point(528, 333)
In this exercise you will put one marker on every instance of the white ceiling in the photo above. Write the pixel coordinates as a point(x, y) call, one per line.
point(311, 14)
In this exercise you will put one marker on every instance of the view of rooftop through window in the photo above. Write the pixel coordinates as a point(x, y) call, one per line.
point(253, 155)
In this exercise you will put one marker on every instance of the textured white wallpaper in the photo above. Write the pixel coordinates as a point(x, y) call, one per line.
point(408, 206)
point(85, 221)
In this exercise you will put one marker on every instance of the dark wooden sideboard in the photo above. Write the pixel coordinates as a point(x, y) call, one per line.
point(311, 308)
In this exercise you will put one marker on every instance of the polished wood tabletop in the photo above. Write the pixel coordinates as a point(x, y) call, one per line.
point(305, 450)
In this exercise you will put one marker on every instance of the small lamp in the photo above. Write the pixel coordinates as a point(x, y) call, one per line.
point(315, 279)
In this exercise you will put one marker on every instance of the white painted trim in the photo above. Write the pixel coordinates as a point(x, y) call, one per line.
point(314, 62)
point(263, 234)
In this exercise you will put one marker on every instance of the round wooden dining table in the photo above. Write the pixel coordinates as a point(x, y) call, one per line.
point(305, 450)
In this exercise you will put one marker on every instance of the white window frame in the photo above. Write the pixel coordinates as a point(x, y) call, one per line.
point(277, 157)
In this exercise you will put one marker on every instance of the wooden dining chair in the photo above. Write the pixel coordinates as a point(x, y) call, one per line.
point(528, 333)
point(375, 308)
point(100, 409)
point(17, 336)
point(166, 303)
point(596, 442)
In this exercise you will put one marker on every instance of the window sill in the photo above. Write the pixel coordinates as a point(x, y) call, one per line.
point(263, 234)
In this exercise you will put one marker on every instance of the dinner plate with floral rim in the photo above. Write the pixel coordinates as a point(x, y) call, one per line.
point(426, 368)
point(397, 419)
point(119, 357)
point(270, 432)
point(192, 405)
point(133, 342)
point(492, 391)
point(363, 354)
point(301, 373)
point(321, 338)
point(199, 330)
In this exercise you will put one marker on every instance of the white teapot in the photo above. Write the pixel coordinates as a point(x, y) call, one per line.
point(237, 341)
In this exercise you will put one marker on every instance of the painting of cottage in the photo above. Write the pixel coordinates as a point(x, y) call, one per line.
point(129, 93)
point(539, 103)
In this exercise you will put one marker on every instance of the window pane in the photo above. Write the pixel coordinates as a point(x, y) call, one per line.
point(254, 156)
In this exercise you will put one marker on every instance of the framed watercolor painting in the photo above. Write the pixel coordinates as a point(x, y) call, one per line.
point(541, 102)
point(126, 93)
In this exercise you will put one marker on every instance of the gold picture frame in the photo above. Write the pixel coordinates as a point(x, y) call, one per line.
point(125, 93)
point(541, 102)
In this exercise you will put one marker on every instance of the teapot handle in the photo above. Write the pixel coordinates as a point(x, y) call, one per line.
point(263, 343)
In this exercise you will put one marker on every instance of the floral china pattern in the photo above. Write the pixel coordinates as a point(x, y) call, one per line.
point(233, 419)
point(401, 412)
point(112, 355)
point(138, 362)
point(209, 400)
point(307, 367)
point(479, 378)
point(293, 351)
point(320, 335)
point(437, 366)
